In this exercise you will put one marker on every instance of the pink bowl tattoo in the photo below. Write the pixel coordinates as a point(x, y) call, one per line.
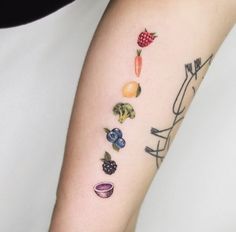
point(104, 189)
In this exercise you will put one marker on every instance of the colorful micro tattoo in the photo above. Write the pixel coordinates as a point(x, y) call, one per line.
point(104, 189)
point(145, 38)
point(138, 62)
point(115, 137)
point(109, 166)
point(131, 89)
point(124, 111)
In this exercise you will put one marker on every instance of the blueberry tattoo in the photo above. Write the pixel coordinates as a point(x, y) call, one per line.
point(118, 132)
point(109, 166)
point(120, 143)
point(114, 136)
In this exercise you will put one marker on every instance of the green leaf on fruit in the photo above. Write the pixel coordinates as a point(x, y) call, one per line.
point(106, 130)
point(139, 90)
point(107, 156)
point(115, 147)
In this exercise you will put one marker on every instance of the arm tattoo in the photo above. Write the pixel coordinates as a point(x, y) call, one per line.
point(178, 109)
point(124, 111)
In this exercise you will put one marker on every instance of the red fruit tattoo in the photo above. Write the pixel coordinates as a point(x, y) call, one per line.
point(146, 38)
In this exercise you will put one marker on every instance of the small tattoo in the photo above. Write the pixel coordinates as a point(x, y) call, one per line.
point(124, 111)
point(138, 62)
point(164, 135)
point(109, 166)
point(104, 189)
point(131, 89)
point(115, 137)
point(145, 38)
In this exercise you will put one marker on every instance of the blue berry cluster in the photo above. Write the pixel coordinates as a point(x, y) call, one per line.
point(115, 137)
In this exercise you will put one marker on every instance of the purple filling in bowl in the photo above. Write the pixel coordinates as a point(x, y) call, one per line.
point(104, 189)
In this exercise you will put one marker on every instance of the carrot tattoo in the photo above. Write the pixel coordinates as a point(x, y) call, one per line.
point(138, 63)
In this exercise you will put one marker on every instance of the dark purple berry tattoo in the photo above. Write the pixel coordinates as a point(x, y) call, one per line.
point(109, 166)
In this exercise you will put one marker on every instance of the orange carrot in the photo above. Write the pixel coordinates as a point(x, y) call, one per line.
point(138, 63)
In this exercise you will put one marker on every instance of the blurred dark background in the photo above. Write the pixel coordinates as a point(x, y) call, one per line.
point(18, 12)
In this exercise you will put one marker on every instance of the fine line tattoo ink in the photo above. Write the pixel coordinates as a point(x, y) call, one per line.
point(178, 109)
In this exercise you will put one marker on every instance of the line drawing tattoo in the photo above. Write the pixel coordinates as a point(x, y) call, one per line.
point(178, 109)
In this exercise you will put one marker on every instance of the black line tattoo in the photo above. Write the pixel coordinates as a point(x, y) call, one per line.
point(178, 109)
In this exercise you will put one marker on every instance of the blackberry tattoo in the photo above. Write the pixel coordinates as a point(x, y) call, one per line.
point(109, 166)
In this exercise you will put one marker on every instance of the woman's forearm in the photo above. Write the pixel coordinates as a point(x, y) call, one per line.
point(144, 95)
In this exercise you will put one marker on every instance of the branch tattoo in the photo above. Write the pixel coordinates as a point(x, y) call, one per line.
point(123, 110)
point(179, 109)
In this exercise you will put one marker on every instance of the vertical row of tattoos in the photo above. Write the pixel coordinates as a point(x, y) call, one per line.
point(123, 111)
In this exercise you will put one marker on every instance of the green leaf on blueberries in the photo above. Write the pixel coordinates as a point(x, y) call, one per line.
point(106, 130)
point(115, 147)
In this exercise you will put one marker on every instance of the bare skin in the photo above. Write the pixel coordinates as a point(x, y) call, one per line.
point(186, 30)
